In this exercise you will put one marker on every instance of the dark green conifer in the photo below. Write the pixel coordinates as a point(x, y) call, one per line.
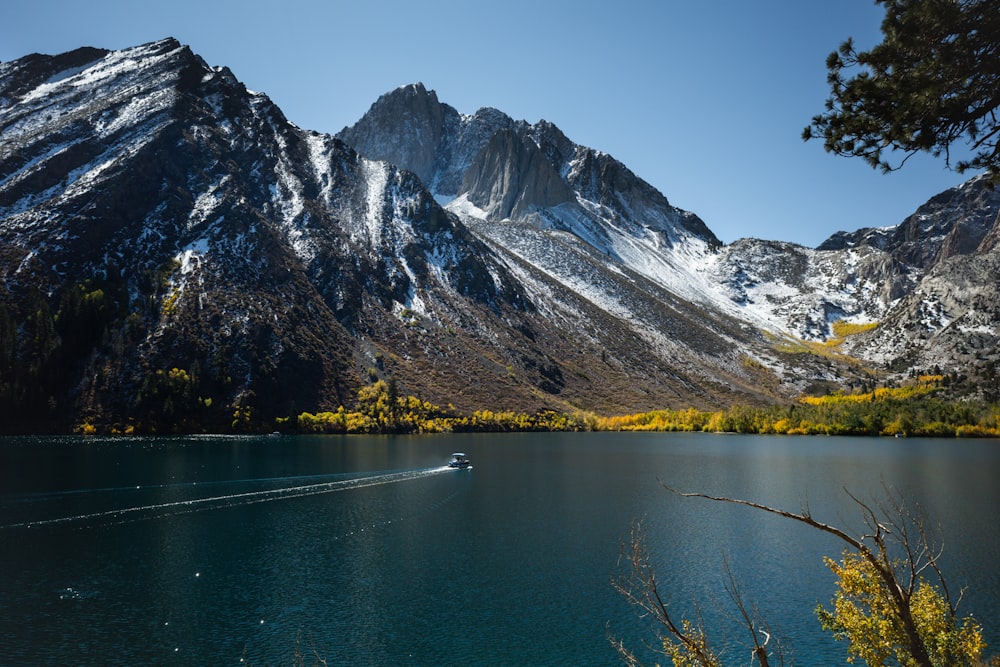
point(932, 85)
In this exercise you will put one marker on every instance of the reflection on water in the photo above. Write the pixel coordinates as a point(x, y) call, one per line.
point(194, 551)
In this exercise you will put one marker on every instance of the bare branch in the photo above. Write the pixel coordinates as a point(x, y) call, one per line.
point(627, 656)
point(891, 553)
point(749, 618)
point(802, 518)
point(641, 588)
point(878, 556)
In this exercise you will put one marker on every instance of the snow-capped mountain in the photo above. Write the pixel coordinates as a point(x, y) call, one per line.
point(490, 168)
point(931, 284)
point(174, 251)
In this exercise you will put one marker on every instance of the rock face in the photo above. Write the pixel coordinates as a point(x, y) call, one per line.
point(410, 133)
point(931, 283)
point(955, 222)
point(950, 319)
point(507, 168)
point(175, 253)
point(511, 177)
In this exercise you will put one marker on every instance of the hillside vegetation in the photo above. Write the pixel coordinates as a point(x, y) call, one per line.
point(921, 408)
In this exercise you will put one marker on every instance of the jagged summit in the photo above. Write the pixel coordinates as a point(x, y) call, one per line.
point(509, 168)
point(414, 135)
point(954, 222)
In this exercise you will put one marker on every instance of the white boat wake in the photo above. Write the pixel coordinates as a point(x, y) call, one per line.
point(232, 500)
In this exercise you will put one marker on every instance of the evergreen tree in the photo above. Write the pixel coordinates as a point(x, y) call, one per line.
point(933, 83)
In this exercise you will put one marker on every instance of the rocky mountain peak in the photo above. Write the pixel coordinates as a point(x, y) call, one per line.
point(513, 168)
point(404, 127)
point(954, 222)
point(550, 139)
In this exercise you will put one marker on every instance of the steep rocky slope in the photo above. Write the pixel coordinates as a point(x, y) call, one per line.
point(950, 320)
point(931, 285)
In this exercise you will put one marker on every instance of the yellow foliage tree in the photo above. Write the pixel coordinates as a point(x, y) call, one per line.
point(885, 605)
point(866, 613)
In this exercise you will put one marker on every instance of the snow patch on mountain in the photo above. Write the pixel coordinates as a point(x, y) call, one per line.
point(206, 202)
point(321, 164)
point(802, 291)
point(189, 258)
point(287, 194)
point(376, 178)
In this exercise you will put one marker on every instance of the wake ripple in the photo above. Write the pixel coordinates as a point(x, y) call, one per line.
point(231, 500)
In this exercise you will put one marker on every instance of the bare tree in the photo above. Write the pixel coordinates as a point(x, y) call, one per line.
point(893, 555)
point(684, 641)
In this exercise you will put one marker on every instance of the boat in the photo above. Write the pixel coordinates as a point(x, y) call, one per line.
point(459, 460)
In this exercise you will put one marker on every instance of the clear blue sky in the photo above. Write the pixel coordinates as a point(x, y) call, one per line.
point(705, 100)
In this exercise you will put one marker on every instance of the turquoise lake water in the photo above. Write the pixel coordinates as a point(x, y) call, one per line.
point(367, 551)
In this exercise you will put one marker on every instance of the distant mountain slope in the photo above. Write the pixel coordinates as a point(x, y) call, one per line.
point(950, 319)
point(175, 254)
point(954, 222)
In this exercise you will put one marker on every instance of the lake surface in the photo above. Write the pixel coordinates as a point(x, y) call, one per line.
point(209, 550)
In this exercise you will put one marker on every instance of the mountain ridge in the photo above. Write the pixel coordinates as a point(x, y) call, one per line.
point(445, 162)
point(177, 255)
